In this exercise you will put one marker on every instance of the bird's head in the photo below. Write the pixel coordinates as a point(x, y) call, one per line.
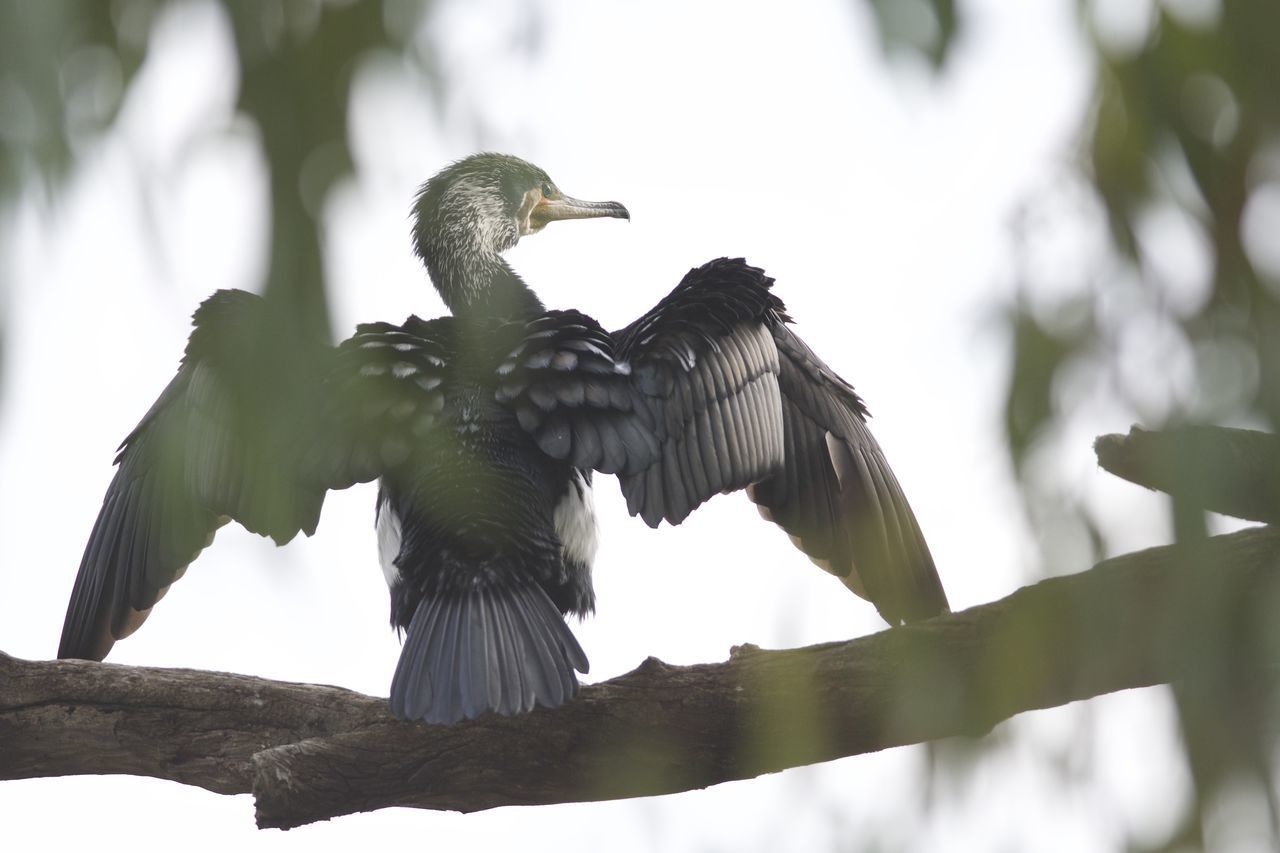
point(479, 207)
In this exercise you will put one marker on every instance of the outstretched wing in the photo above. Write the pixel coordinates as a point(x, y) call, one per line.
point(681, 405)
point(836, 496)
point(253, 428)
point(214, 446)
point(714, 393)
point(707, 368)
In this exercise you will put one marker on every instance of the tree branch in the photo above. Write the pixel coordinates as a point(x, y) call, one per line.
point(1232, 471)
point(308, 752)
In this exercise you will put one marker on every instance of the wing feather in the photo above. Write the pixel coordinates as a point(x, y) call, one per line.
point(837, 497)
point(705, 362)
point(739, 401)
point(205, 449)
point(254, 427)
point(568, 389)
point(710, 392)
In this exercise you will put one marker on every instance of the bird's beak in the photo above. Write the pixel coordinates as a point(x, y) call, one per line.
point(564, 207)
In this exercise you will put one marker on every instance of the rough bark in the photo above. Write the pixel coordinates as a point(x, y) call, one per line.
point(309, 752)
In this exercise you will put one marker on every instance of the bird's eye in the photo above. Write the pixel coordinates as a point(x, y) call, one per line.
point(546, 190)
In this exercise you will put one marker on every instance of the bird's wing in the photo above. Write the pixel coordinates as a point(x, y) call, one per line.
point(681, 405)
point(711, 392)
point(706, 366)
point(836, 496)
point(252, 428)
point(572, 393)
point(738, 400)
point(382, 400)
point(206, 451)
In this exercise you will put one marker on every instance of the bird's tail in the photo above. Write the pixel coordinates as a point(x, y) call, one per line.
point(503, 649)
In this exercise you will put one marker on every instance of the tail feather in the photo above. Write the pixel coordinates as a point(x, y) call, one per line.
point(490, 649)
point(510, 669)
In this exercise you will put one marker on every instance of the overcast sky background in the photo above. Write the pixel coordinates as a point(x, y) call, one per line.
point(882, 202)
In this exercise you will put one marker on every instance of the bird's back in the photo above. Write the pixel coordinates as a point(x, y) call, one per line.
point(467, 523)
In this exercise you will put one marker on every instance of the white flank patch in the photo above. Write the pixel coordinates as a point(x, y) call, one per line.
point(388, 527)
point(575, 520)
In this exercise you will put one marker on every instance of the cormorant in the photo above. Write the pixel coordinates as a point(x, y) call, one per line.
point(483, 430)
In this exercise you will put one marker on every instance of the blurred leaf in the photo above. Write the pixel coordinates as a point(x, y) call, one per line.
point(55, 57)
point(924, 27)
point(297, 60)
point(1199, 95)
point(1039, 353)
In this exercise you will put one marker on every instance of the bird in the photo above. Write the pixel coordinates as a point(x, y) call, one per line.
point(485, 430)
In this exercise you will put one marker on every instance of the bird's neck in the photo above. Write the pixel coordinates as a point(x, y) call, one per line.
point(483, 285)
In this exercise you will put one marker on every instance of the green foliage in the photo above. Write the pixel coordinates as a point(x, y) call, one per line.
point(1186, 123)
point(297, 60)
point(64, 68)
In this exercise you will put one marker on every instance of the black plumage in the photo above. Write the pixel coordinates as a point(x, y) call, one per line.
point(483, 429)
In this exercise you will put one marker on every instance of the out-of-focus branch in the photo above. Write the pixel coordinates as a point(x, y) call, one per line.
point(1232, 471)
point(309, 753)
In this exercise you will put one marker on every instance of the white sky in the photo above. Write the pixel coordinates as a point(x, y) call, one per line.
point(880, 201)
